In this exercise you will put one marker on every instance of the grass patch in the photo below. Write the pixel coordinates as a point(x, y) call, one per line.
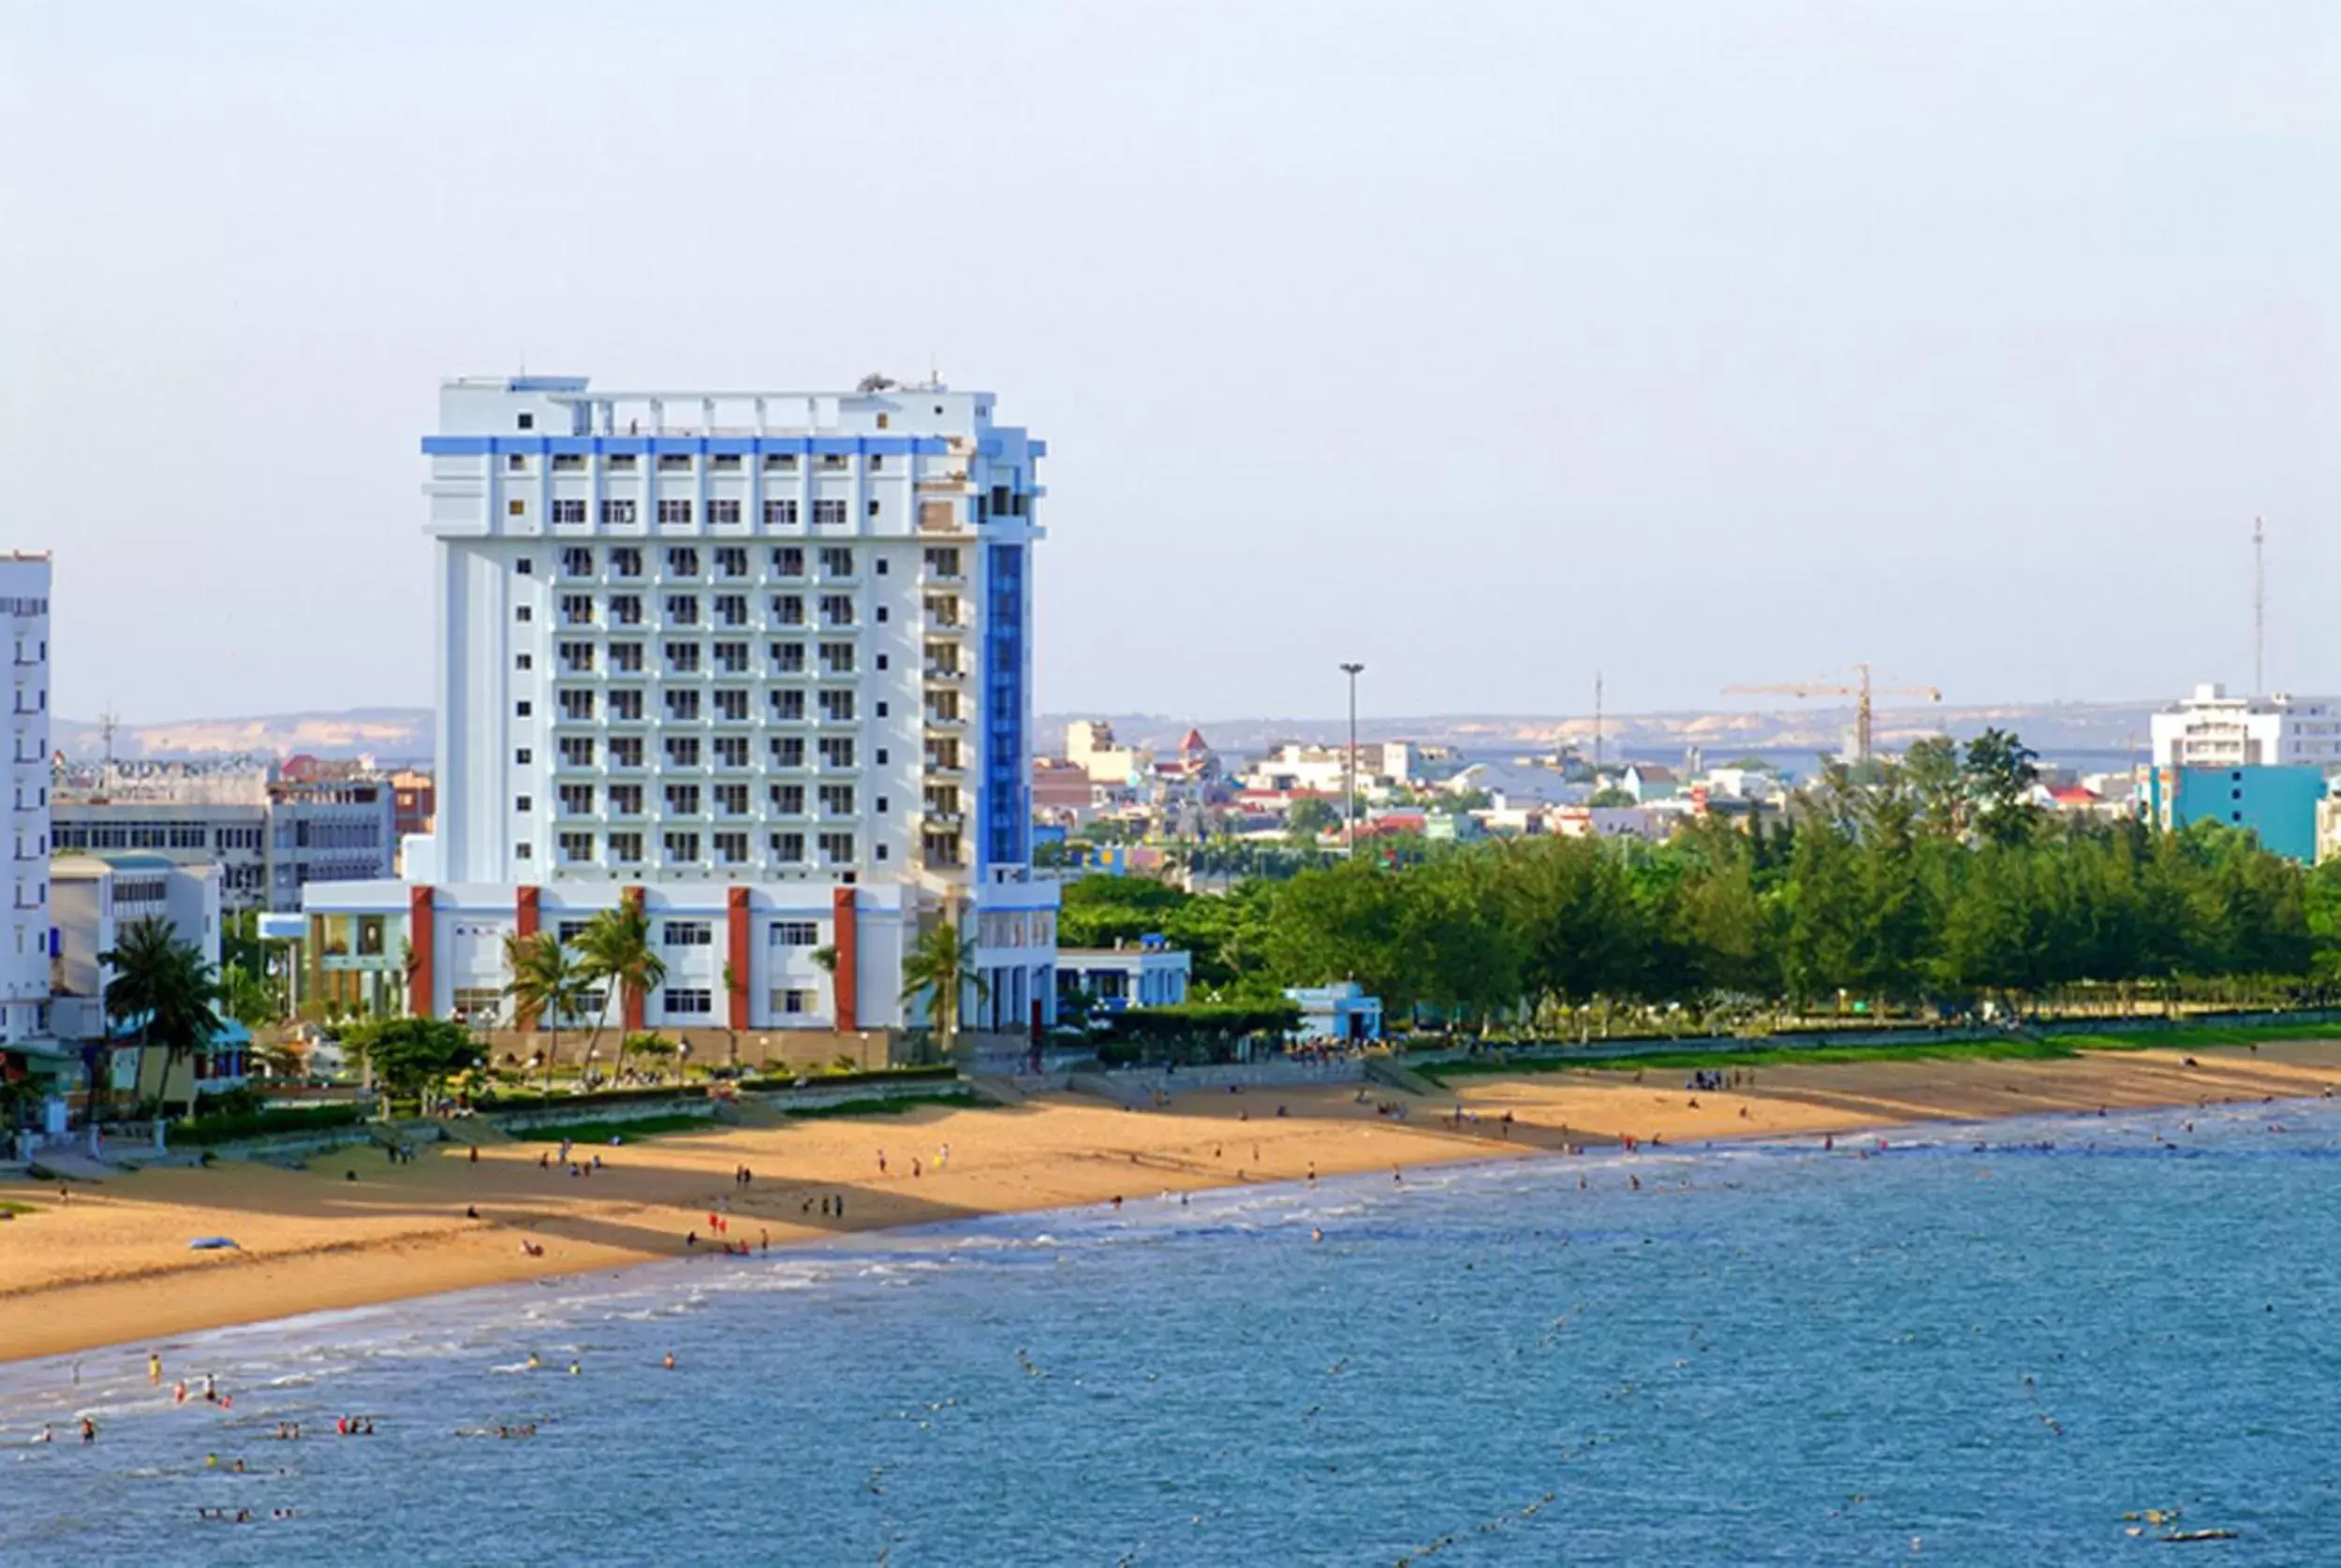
point(205, 1131)
point(606, 1133)
point(893, 1106)
point(2011, 1049)
point(2190, 1036)
point(13, 1209)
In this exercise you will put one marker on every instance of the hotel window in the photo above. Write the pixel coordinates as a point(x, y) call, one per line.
point(878, 459)
point(829, 513)
point(788, 561)
point(881, 565)
point(522, 757)
point(836, 610)
point(516, 508)
point(836, 800)
point(577, 751)
point(833, 461)
point(683, 562)
point(576, 609)
point(788, 609)
point(731, 706)
point(625, 707)
point(683, 707)
point(568, 463)
point(836, 848)
point(524, 661)
point(683, 658)
point(732, 609)
point(787, 799)
point(674, 463)
point(780, 514)
point(731, 800)
point(788, 751)
point(837, 708)
point(793, 1002)
point(569, 512)
point(575, 847)
point(521, 709)
point(731, 657)
point(575, 559)
point(696, 1002)
point(723, 510)
point(837, 751)
point(874, 508)
point(625, 609)
point(683, 751)
point(626, 658)
point(622, 462)
point(517, 462)
point(626, 751)
point(626, 848)
point(725, 462)
point(674, 509)
point(796, 934)
point(523, 614)
point(787, 658)
point(617, 511)
point(681, 848)
point(523, 804)
point(788, 846)
point(942, 561)
point(684, 798)
point(787, 704)
point(576, 707)
point(527, 421)
point(732, 560)
point(837, 561)
point(731, 750)
point(625, 800)
point(687, 933)
point(682, 610)
point(577, 799)
point(731, 848)
point(837, 658)
point(625, 560)
point(523, 851)
point(780, 462)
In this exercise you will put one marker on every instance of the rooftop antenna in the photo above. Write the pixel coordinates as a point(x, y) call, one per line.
point(2260, 606)
point(108, 722)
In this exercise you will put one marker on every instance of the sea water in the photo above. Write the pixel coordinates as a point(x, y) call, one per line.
point(1980, 1344)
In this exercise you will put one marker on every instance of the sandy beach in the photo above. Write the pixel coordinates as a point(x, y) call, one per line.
point(109, 1264)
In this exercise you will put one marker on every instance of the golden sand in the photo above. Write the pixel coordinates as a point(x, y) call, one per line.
point(110, 1265)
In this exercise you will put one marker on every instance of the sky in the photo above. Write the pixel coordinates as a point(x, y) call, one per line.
point(1488, 345)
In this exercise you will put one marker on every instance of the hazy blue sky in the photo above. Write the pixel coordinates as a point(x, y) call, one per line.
point(1486, 344)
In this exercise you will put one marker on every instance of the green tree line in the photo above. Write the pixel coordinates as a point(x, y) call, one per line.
point(1929, 883)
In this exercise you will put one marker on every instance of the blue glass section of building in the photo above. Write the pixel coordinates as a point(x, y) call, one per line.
point(1008, 816)
point(2277, 804)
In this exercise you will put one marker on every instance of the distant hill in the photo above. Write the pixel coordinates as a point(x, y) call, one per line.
point(386, 734)
point(2053, 729)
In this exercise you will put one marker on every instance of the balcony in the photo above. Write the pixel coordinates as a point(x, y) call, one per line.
point(945, 763)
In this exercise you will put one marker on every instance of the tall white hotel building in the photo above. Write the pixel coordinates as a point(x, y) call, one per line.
point(24, 942)
point(759, 660)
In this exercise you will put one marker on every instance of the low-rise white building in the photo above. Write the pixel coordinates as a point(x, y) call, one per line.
point(2212, 730)
point(1148, 974)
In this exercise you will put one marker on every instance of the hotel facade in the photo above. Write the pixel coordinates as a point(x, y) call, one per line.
point(25, 945)
point(759, 662)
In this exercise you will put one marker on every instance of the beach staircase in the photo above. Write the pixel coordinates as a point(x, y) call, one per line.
point(1386, 1071)
point(1135, 1095)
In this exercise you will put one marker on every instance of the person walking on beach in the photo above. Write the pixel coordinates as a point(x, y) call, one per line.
point(154, 1368)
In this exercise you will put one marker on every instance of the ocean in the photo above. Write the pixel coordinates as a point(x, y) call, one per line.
point(1987, 1344)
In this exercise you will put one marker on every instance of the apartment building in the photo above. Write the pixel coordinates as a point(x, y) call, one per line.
point(270, 837)
point(24, 944)
point(2212, 730)
point(758, 661)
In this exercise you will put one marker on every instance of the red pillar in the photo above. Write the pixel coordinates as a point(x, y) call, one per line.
point(422, 926)
point(846, 940)
point(524, 922)
point(631, 1016)
point(736, 911)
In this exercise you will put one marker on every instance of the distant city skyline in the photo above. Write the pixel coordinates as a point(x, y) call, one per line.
point(1491, 346)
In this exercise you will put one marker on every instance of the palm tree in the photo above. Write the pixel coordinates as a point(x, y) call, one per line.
point(164, 988)
point(546, 984)
point(619, 954)
point(942, 963)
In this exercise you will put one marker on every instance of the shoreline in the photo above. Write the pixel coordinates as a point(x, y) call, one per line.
point(108, 1269)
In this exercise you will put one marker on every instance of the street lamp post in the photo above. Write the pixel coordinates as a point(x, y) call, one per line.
point(1349, 826)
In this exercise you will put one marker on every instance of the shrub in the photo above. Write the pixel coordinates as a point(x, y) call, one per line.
point(231, 1129)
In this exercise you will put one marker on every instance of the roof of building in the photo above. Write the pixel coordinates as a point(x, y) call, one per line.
point(1194, 741)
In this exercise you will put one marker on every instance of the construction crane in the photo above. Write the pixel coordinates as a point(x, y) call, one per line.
point(1861, 691)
